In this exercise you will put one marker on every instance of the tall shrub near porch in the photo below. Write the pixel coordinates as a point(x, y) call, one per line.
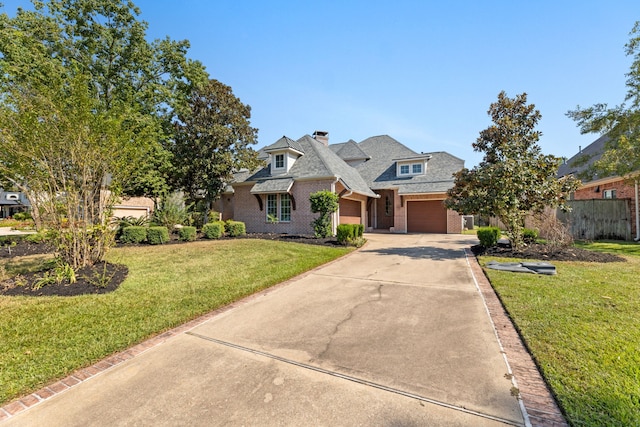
point(325, 203)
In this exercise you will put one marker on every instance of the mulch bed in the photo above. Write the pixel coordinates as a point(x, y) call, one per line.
point(545, 253)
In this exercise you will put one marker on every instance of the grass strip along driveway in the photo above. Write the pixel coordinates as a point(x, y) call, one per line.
point(583, 329)
point(46, 338)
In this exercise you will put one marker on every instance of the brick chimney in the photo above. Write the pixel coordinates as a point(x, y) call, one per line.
point(322, 136)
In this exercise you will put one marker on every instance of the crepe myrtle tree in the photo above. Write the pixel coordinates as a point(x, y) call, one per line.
point(85, 99)
point(514, 178)
point(325, 203)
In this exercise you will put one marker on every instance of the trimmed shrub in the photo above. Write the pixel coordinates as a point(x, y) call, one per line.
point(187, 233)
point(235, 228)
point(133, 234)
point(529, 235)
point(348, 233)
point(488, 236)
point(213, 230)
point(157, 235)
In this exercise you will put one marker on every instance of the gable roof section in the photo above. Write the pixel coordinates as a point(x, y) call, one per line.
point(380, 171)
point(318, 162)
point(284, 143)
point(584, 159)
point(349, 151)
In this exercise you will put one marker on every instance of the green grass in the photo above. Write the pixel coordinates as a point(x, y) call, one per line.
point(583, 328)
point(46, 338)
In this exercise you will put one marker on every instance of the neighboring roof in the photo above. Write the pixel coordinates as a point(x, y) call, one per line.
point(585, 158)
point(318, 161)
point(280, 185)
point(284, 143)
point(380, 171)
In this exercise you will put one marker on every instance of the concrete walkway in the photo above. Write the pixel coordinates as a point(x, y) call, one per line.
point(396, 334)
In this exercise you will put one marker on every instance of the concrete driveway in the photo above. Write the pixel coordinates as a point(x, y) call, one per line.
point(396, 334)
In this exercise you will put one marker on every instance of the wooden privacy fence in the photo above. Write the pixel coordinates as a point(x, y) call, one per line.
point(598, 219)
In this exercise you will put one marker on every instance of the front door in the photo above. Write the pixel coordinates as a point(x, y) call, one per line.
point(384, 210)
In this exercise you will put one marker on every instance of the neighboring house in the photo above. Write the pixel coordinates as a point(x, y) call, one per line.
point(610, 187)
point(381, 184)
point(136, 207)
point(12, 202)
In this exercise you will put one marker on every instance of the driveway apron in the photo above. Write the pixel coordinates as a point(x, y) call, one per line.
point(395, 334)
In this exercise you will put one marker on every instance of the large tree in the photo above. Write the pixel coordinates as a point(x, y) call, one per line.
point(621, 123)
point(212, 139)
point(514, 179)
point(85, 98)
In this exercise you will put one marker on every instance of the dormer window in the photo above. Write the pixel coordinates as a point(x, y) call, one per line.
point(279, 161)
point(411, 169)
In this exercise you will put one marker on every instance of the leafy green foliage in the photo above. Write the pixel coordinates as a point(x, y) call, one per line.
point(157, 235)
point(86, 100)
point(212, 140)
point(187, 233)
point(514, 179)
point(529, 235)
point(213, 230)
point(235, 228)
point(171, 212)
point(621, 123)
point(488, 236)
point(349, 233)
point(133, 234)
point(325, 203)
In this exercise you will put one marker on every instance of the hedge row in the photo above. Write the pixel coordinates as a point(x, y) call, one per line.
point(160, 235)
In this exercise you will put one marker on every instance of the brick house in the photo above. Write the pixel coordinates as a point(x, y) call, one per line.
point(610, 187)
point(381, 184)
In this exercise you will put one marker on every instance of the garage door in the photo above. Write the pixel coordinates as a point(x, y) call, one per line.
point(426, 217)
point(349, 212)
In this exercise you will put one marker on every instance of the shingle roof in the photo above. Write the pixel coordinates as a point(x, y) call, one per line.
point(318, 161)
point(349, 151)
point(584, 158)
point(380, 171)
point(284, 143)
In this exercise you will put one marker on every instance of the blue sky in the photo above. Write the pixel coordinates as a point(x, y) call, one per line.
point(423, 72)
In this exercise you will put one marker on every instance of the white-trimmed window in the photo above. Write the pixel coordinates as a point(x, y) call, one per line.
point(279, 161)
point(410, 169)
point(279, 207)
point(609, 194)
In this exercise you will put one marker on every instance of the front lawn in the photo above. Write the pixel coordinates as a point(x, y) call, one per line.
point(46, 338)
point(583, 328)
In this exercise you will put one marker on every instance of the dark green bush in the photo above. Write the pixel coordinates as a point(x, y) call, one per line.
point(213, 230)
point(488, 236)
point(157, 235)
point(22, 216)
point(187, 233)
point(347, 233)
point(235, 228)
point(529, 235)
point(133, 234)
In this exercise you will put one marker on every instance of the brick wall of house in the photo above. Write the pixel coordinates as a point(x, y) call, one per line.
point(247, 209)
point(623, 191)
point(454, 222)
